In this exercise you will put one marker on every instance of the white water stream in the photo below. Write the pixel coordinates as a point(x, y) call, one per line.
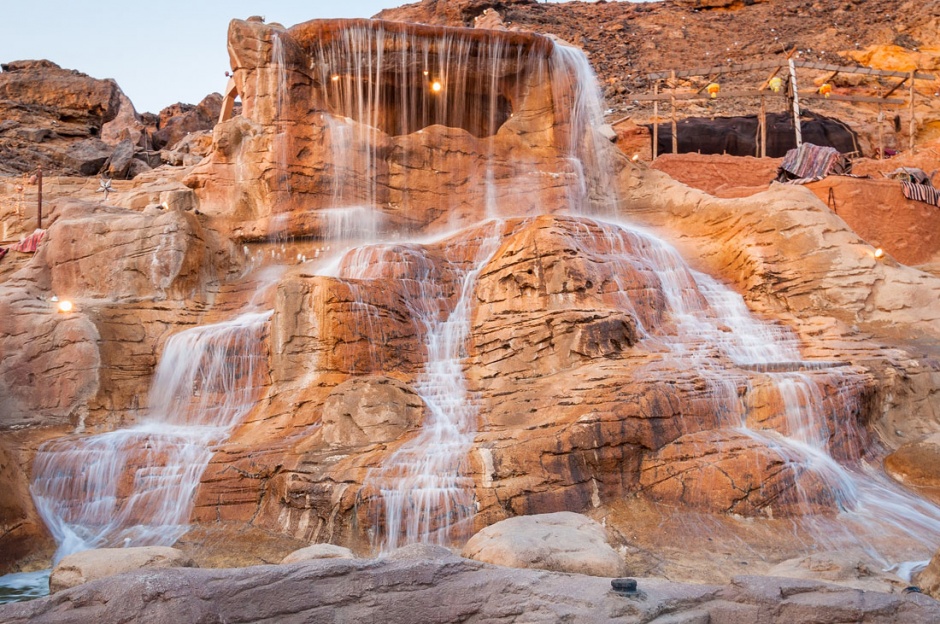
point(136, 486)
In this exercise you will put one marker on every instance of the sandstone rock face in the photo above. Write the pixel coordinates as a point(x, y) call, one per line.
point(318, 551)
point(592, 364)
point(41, 344)
point(420, 165)
point(91, 565)
point(447, 590)
point(917, 464)
point(561, 542)
point(110, 253)
point(929, 578)
point(180, 120)
point(22, 532)
point(365, 411)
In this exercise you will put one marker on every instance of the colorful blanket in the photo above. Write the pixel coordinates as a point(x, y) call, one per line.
point(809, 163)
point(30, 243)
point(921, 192)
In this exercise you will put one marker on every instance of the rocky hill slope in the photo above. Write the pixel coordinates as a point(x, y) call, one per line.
point(626, 41)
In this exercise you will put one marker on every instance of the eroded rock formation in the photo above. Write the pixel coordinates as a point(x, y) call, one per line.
point(588, 362)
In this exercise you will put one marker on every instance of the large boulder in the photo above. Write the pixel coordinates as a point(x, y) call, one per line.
point(318, 551)
point(562, 542)
point(90, 565)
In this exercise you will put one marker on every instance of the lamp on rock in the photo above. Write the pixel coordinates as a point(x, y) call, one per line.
point(62, 305)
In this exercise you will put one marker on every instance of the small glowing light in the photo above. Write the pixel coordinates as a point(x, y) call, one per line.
point(65, 306)
point(636, 158)
point(426, 72)
point(335, 78)
point(436, 86)
point(879, 253)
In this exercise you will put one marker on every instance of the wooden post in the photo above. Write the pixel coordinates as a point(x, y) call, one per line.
point(913, 128)
point(655, 121)
point(762, 124)
point(881, 134)
point(39, 198)
point(675, 136)
point(796, 105)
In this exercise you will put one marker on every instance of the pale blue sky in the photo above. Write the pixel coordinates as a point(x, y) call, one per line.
point(158, 52)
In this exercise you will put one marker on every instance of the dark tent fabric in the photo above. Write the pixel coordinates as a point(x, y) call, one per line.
point(739, 136)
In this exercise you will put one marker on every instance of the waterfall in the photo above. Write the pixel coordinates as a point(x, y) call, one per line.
point(136, 486)
point(424, 495)
point(374, 85)
point(281, 136)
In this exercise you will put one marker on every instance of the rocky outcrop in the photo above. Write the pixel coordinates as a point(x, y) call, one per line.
point(448, 589)
point(393, 158)
point(626, 41)
point(91, 565)
point(561, 542)
point(72, 124)
point(917, 465)
point(181, 120)
point(54, 118)
point(318, 551)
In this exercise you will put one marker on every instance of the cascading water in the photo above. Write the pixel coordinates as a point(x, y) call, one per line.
point(424, 493)
point(136, 486)
point(423, 497)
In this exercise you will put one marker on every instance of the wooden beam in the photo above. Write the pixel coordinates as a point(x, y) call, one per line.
point(762, 122)
point(705, 71)
point(806, 95)
point(868, 71)
point(675, 130)
point(655, 121)
point(913, 127)
point(815, 95)
point(795, 91)
point(895, 87)
point(729, 69)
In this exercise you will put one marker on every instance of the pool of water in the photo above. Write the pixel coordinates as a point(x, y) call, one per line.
point(24, 586)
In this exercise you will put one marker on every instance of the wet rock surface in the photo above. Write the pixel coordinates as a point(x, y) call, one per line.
point(447, 589)
point(584, 397)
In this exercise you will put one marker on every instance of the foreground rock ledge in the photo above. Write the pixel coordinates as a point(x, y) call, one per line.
point(440, 587)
